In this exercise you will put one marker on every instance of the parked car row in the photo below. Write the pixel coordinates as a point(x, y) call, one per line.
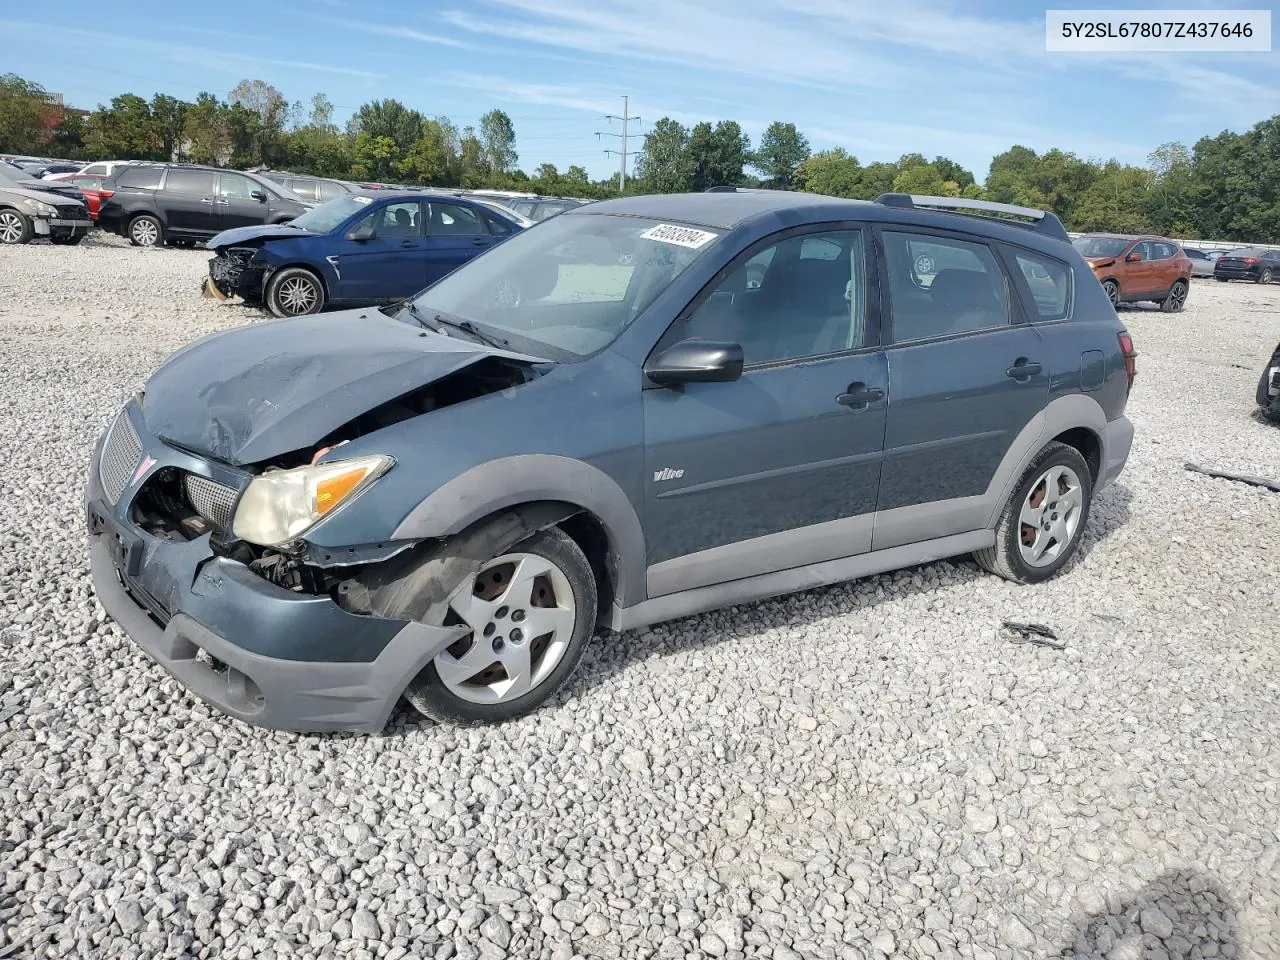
point(31, 208)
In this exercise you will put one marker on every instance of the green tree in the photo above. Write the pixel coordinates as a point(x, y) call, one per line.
point(257, 131)
point(126, 130)
point(664, 165)
point(204, 129)
point(473, 163)
point(374, 158)
point(833, 173)
point(546, 179)
point(717, 154)
point(1115, 201)
point(781, 152)
point(321, 111)
point(389, 119)
point(68, 137)
point(498, 141)
point(1172, 202)
point(25, 115)
point(170, 116)
point(434, 158)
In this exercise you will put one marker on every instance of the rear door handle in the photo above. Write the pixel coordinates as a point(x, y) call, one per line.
point(206, 200)
point(480, 242)
point(858, 396)
point(1023, 369)
point(408, 243)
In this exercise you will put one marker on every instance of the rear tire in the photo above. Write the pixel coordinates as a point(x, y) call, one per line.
point(472, 688)
point(1265, 275)
point(15, 227)
point(146, 231)
point(1176, 298)
point(1055, 491)
point(295, 292)
point(67, 241)
point(1222, 279)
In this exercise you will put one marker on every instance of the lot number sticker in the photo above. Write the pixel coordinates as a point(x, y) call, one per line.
point(680, 236)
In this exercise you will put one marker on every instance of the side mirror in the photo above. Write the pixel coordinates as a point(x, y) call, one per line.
point(696, 361)
point(1134, 257)
point(259, 195)
point(360, 234)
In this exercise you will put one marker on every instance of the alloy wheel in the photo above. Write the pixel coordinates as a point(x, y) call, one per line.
point(522, 613)
point(10, 227)
point(1050, 517)
point(145, 233)
point(1113, 292)
point(297, 296)
point(1178, 296)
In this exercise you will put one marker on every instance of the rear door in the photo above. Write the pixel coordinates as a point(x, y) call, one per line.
point(965, 376)
point(237, 206)
point(455, 233)
point(392, 264)
point(187, 201)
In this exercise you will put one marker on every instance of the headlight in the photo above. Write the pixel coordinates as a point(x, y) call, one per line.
point(44, 209)
point(281, 505)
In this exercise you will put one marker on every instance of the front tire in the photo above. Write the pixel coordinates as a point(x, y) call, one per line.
point(1040, 528)
point(1112, 290)
point(531, 612)
point(15, 227)
point(1176, 299)
point(146, 231)
point(295, 292)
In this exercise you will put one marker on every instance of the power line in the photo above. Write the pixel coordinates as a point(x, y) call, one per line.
point(622, 170)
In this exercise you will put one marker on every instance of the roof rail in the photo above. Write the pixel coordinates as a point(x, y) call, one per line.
point(1044, 221)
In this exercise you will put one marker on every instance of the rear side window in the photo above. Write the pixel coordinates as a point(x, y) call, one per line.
point(96, 168)
point(454, 220)
point(195, 182)
point(940, 287)
point(1049, 282)
point(306, 189)
point(497, 225)
point(329, 191)
point(144, 178)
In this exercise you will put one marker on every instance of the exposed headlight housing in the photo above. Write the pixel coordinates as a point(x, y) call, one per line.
point(281, 505)
point(44, 209)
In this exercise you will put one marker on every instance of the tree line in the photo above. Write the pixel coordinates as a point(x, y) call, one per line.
point(1225, 187)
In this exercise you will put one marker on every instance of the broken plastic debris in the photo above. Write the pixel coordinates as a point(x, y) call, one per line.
point(1036, 633)
point(1272, 485)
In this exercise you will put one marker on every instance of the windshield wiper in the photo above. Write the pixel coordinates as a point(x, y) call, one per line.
point(466, 326)
point(419, 319)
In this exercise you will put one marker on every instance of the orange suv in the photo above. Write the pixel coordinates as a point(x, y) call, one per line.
point(1133, 268)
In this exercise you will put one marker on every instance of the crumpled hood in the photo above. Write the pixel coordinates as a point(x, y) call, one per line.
point(51, 197)
point(249, 394)
point(238, 235)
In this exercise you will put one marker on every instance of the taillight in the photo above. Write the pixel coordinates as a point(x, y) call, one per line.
point(1130, 357)
point(103, 194)
point(1251, 259)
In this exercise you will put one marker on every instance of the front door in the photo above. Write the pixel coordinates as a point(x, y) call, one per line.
point(780, 468)
point(1144, 276)
point(237, 207)
point(455, 234)
point(392, 264)
point(965, 376)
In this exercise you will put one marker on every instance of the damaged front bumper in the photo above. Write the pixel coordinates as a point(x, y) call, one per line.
point(1269, 388)
point(232, 273)
point(272, 657)
point(61, 227)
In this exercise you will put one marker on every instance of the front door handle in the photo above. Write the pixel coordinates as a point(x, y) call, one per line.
point(480, 242)
point(858, 396)
point(1023, 369)
point(408, 243)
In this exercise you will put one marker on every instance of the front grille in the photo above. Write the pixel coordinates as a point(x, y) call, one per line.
point(120, 455)
point(213, 501)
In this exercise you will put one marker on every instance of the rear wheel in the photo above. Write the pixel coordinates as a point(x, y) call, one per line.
point(1113, 292)
point(1265, 275)
point(1176, 299)
point(1222, 279)
point(1041, 525)
point(146, 231)
point(295, 292)
point(70, 241)
point(530, 612)
point(15, 227)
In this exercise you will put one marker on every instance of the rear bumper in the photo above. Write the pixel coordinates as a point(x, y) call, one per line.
point(268, 656)
point(1117, 441)
point(1239, 273)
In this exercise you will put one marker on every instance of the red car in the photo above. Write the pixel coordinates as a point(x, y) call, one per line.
point(90, 185)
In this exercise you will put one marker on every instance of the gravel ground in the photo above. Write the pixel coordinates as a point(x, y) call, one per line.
point(867, 770)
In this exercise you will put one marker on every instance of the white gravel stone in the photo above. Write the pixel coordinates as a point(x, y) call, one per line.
point(861, 771)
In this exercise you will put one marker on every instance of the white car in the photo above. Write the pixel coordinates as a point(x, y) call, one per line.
point(103, 167)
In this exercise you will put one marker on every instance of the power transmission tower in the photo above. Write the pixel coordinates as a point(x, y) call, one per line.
point(625, 118)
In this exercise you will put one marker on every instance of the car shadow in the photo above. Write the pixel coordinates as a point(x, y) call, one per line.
point(611, 654)
point(1182, 914)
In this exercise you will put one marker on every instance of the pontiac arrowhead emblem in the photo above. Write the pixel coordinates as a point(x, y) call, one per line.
point(146, 464)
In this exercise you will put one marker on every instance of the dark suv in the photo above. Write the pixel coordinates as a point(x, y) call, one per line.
point(311, 189)
point(155, 203)
point(443, 499)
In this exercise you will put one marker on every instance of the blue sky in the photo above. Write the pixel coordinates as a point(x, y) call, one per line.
point(879, 78)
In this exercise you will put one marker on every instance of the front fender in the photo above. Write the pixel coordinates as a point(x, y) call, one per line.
point(499, 484)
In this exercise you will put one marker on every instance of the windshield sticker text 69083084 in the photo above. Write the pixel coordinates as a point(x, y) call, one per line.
point(680, 236)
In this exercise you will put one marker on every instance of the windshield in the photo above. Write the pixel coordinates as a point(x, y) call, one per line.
point(329, 214)
point(568, 286)
point(1100, 246)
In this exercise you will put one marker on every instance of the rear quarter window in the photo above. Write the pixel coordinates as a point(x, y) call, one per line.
point(1049, 282)
point(144, 178)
